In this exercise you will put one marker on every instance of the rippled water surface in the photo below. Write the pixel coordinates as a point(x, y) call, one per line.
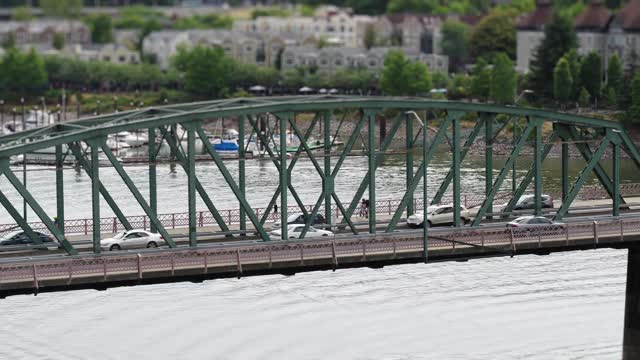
point(561, 306)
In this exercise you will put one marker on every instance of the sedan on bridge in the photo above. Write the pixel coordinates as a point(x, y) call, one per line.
point(301, 218)
point(21, 238)
point(294, 232)
point(132, 239)
point(535, 222)
point(438, 215)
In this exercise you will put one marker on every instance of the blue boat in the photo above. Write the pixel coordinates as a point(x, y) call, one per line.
point(226, 146)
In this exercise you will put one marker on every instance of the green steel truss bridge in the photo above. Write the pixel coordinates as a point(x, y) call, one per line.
point(367, 244)
point(85, 139)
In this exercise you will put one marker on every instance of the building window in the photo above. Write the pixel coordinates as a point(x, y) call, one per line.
point(323, 62)
point(106, 58)
point(249, 48)
point(373, 63)
point(289, 61)
point(338, 62)
point(122, 58)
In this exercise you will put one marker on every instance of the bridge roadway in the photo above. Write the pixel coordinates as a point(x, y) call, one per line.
point(583, 210)
point(44, 273)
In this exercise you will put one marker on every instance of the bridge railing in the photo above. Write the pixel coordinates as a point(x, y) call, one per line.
point(500, 239)
point(232, 216)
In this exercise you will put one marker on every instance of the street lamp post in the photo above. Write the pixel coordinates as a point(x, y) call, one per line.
point(523, 93)
point(425, 155)
point(115, 104)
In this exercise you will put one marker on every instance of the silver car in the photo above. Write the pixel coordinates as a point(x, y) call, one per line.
point(132, 239)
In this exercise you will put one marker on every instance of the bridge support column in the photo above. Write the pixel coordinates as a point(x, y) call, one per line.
point(153, 192)
point(95, 193)
point(241, 171)
point(59, 189)
point(537, 154)
point(488, 156)
point(631, 340)
point(371, 117)
point(191, 183)
point(409, 126)
point(616, 177)
point(328, 214)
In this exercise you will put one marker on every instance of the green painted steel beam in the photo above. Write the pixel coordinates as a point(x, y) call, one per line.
point(503, 173)
point(371, 132)
point(242, 170)
point(537, 165)
point(565, 168)
point(327, 182)
point(95, 193)
point(290, 167)
point(88, 168)
point(53, 229)
point(616, 142)
point(408, 196)
point(582, 178)
point(153, 181)
point(59, 188)
point(488, 120)
point(295, 105)
point(585, 151)
point(437, 198)
point(15, 214)
point(191, 182)
point(364, 184)
point(148, 210)
point(455, 119)
point(409, 157)
point(232, 184)
point(526, 181)
point(276, 161)
point(284, 177)
point(199, 188)
point(348, 146)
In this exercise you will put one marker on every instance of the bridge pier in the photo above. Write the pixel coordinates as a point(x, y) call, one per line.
point(631, 340)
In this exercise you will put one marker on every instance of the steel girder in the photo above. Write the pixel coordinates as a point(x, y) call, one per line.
point(286, 108)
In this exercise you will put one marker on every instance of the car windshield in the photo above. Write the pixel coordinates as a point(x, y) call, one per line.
point(119, 235)
point(522, 220)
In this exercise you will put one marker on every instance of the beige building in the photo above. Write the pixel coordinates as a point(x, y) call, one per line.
point(597, 30)
point(331, 59)
point(42, 32)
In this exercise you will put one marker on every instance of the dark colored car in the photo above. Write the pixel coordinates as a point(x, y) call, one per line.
point(301, 219)
point(21, 238)
point(529, 202)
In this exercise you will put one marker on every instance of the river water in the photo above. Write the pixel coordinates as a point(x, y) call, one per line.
point(561, 306)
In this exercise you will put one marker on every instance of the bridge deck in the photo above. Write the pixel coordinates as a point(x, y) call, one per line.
point(89, 271)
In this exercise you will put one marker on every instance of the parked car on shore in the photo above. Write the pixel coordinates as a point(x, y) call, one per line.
point(300, 218)
point(20, 237)
point(294, 232)
point(438, 215)
point(132, 239)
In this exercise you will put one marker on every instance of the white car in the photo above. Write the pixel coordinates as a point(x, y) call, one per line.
point(132, 239)
point(294, 232)
point(438, 215)
point(533, 222)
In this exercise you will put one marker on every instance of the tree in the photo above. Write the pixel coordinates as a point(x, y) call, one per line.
point(22, 13)
point(369, 37)
point(559, 38)
point(392, 82)
point(101, 29)
point(574, 61)
point(418, 6)
point(591, 74)
point(404, 77)
point(208, 72)
point(58, 41)
point(10, 41)
point(583, 98)
point(634, 111)
point(481, 80)
point(455, 43)
point(503, 80)
point(562, 81)
point(614, 79)
point(495, 33)
point(66, 9)
point(21, 73)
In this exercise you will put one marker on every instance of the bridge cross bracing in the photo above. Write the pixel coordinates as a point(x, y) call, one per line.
point(269, 120)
